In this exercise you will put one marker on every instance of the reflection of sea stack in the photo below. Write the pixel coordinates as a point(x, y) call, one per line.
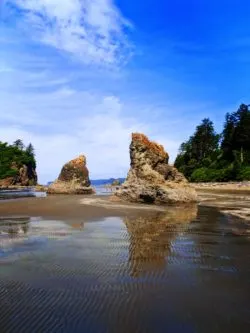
point(13, 226)
point(151, 237)
point(151, 179)
point(73, 179)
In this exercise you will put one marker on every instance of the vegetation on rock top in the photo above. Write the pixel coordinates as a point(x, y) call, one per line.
point(13, 157)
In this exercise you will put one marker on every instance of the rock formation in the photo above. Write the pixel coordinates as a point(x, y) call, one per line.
point(73, 179)
point(24, 176)
point(151, 179)
point(116, 182)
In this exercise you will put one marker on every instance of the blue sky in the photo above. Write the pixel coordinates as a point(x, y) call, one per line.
point(79, 76)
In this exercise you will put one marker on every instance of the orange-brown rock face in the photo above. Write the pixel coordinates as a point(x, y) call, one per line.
point(75, 170)
point(151, 148)
point(26, 176)
point(73, 178)
point(151, 179)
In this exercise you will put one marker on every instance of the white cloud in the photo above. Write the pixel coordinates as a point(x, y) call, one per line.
point(64, 123)
point(103, 137)
point(66, 109)
point(92, 30)
point(63, 118)
point(60, 127)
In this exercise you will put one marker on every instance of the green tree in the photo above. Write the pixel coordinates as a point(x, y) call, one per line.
point(197, 151)
point(12, 157)
point(242, 131)
point(30, 150)
point(236, 134)
point(228, 137)
point(204, 141)
point(202, 159)
point(19, 144)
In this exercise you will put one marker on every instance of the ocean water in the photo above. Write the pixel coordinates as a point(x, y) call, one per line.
point(16, 194)
point(103, 189)
point(184, 270)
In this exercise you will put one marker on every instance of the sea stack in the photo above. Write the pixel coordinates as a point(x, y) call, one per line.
point(151, 179)
point(73, 178)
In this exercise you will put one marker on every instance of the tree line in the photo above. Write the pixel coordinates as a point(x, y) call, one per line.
point(13, 157)
point(208, 156)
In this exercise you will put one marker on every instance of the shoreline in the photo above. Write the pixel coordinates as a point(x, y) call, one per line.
point(227, 186)
point(73, 207)
point(230, 199)
point(233, 186)
point(19, 188)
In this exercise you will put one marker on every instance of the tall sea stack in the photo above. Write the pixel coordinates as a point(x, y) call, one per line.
point(151, 179)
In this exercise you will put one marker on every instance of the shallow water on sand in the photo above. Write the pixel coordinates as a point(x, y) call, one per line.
point(16, 194)
point(186, 270)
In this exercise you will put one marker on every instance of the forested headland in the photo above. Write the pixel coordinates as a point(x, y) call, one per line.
point(17, 163)
point(208, 156)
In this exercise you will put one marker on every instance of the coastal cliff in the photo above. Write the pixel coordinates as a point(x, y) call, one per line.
point(17, 165)
point(73, 178)
point(23, 176)
point(151, 179)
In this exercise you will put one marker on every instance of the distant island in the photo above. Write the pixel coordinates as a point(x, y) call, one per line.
point(99, 182)
point(110, 181)
point(208, 156)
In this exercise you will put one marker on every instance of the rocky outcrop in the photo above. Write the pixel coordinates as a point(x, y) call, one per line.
point(73, 178)
point(22, 176)
point(116, 182)
point(151, 179)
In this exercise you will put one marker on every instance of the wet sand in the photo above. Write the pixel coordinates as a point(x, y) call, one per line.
point(228, 186)
point(65, 207)
point(233, 203)
point(85, 264)
point(93, 207)
point(74, 207)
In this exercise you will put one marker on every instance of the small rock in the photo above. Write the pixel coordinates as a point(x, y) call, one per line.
point(73, 178)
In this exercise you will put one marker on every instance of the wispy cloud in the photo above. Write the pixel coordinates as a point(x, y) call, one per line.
point(92, 30)
point(102, 133)
point(66, 107)
point(64, 121)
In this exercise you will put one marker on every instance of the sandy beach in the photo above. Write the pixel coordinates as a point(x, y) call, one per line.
point(80, 261)
point(235, 202)
point(66, 207)
point(228, 186)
